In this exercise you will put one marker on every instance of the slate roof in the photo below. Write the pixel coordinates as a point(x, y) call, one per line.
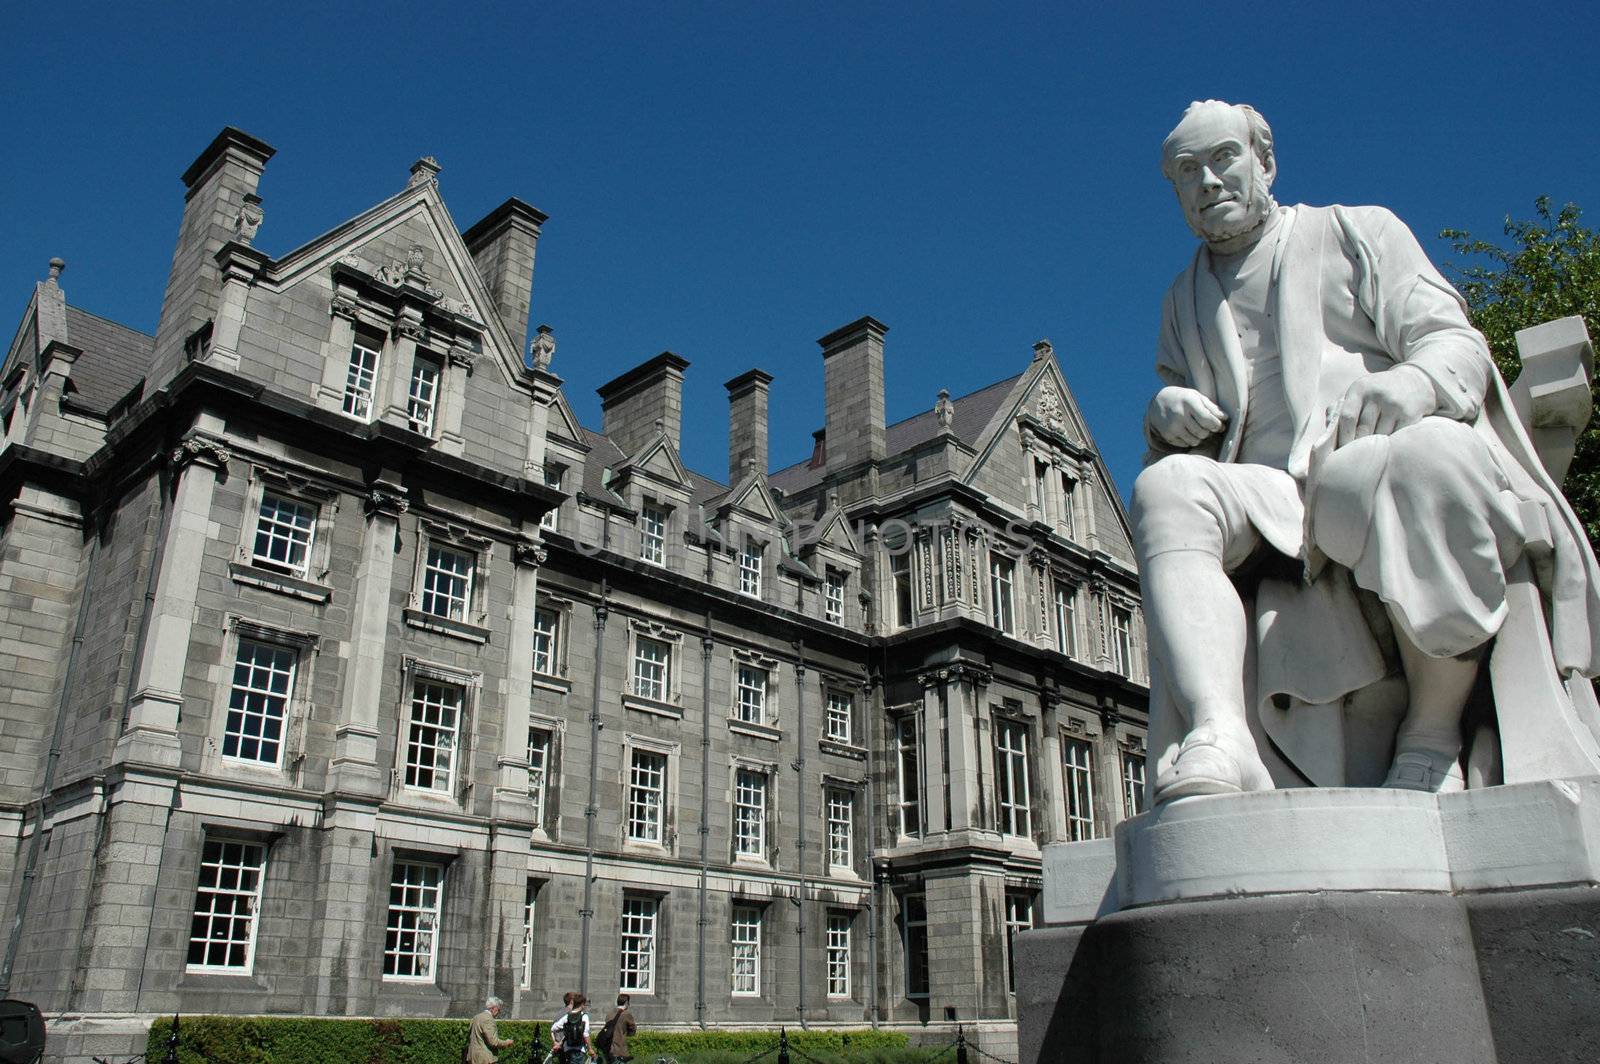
point(973, 413)
point(115, 358)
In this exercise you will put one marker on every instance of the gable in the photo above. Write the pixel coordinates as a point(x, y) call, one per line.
point(563, 422)
point(658, 461)
point(754, 500)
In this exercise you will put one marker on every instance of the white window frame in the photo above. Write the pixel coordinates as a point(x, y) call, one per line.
point(913, 927)
point(1019, 917)
point(424, 911)
point(653, 524)
point(553, 477)
point(254, 701)
point(744, 937)
point(1066, 520)
point(428, 742)
point(1120, 638)
point(550, 636)
point(530, 910)
point(1002, 593)
point(908, 739)
point(640, 924)
point(439, 580)
point(1077, 786)
point(227, 901)
point(275, 530)
point(750, 688)
point(652, 671)
point(362, 375)
point(837, 953)
point(1013, 787)
point(642, 783)
point(1133, 783)
point(541, 759)
point(751, 559)
point(905, 605)
point(1041, 488)
point(752, 805)
point(1064, 598)
point(840, 814)
point(838, 717)
point(834, 586)
point(264, 571)
point(422, 393)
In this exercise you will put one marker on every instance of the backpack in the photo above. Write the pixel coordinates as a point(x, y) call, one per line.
point(572, 1031)
point(603, 1043)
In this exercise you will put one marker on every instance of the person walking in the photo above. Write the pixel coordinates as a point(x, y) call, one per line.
point(569, 1034)
point(483, 1038)
point(619, 1027)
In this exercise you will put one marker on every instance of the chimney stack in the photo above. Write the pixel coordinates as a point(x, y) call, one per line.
point(632, 404)
point(502, 246)
point(852, 393)
point(747, 423)
point(217, 183)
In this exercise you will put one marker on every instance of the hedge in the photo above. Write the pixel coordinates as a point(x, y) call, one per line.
point(305, 1040)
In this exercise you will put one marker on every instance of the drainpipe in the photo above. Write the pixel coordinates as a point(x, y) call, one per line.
point(875, 708)
point(30, 869)
point(800, 832)
point(705, 826)
point(590, 811)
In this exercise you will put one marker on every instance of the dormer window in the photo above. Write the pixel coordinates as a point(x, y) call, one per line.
point(423, 401)
point(361, 380)
point(833, 597)
point(750, 569)
point(553, 477)
point(653, 535)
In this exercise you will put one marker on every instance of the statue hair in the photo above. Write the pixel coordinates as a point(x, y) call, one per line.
point(1260, 133)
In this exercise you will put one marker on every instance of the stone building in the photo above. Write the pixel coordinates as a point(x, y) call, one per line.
point(347, 674)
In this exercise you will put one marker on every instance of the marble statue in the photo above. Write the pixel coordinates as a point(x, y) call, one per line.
point(1336, 495)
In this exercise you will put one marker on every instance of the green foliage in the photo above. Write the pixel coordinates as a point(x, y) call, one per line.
point(302, 1040)
point(1549, 269)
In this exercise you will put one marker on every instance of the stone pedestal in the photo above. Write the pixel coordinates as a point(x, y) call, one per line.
point(1328, 925)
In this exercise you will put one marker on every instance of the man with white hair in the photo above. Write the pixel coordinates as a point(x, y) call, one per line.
point(1333, 447)
point(482, 1037)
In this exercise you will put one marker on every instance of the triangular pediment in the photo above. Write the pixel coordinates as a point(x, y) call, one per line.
point(659, 461)
point(751, 498)
point(831, 530)
point(563, 422)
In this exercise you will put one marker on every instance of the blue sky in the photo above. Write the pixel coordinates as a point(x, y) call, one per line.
point(732, 181)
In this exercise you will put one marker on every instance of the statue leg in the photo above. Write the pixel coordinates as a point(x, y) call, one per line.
point(1187, 533)
point(1427, 748)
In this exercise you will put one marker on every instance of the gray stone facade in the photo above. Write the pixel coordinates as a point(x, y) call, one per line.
point(291, 593)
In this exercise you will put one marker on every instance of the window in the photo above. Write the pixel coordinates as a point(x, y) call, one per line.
point(553, 476)
point(750, 813)
point(1011, 777)
point(833, 597)
point(652, 668)
point(263, 678)
point(362, 376)
point(914, 928)
point(431, 735)
point(900, 573)
point(750, 569)
point(1019, 917)
point(222, 935)
point(653, 535)
point(838, 946)
point(1068, 525)
point(546, 636)
point(746, 937)
point(447, 582)
point(1077, 765)
point(841, 827)
point(411, 938)
point(284, 530)
point(637, 970)
point(1066, 618)
point(1000, 573)
point(647, 793)
point(1121, 640)
point(423, 399)
point(539, 740)
point(908, 748)
point(1041, 488)
point(837, 718)
point(528, 898)
point(1133, 783)
point(751, 695)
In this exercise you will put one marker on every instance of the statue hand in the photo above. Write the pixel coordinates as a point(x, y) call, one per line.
point(1384, 403)
point(1184, 417)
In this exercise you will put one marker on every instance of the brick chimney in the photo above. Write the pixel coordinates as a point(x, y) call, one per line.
point(632, 404)
point(217, 184)
point(747, 423)
point(502, 246)
point(852, 393)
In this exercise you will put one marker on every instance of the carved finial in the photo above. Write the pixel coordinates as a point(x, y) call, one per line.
point(57, 264)
point(424, 171)
point(833, 498)
point(416, 264)
point(1043, 349)
point(661, 426)
point(944, 410)
point(749, 467)
point(248, 220)
point(542, 348)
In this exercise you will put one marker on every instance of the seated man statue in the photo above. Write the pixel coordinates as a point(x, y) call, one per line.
point(1336, 488)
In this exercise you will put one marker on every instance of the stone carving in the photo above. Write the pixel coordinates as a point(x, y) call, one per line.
point(464, 357)
point(387, 500)
point(200, 449)
point(417, 264)
point(944, 410)
point(542, 348)
point(425, 171)
point(1049, 407)
point(1043, 349)
point(248, 220)
point(1338, 477)
point(528, 554)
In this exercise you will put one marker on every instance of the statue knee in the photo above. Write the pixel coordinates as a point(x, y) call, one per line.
point(1174, 503)
point(1434, 449)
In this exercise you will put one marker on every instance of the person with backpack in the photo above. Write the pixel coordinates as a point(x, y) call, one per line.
point(619, 1027)
point(569, 1034)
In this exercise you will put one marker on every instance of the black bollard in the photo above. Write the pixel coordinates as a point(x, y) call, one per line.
point(534, 1056)
point(783, 1045)
point(961, 1045)
point(171, 1055)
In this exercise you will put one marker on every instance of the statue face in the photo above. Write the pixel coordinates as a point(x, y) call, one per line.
point(1221, 184)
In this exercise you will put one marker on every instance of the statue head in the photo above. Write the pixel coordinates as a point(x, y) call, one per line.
point(1219, 159)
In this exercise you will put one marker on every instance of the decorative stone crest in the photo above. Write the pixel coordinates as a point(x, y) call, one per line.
point(417, 264)
point(1049, 407)
point(248, 220)
point(529, 554)
point(387, 500)
point(200, 449)
point(542, 348)
point(1043, 349)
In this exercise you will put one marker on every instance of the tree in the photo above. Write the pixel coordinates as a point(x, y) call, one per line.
point(1550, 269)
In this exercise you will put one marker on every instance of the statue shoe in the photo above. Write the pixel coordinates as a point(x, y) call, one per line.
point(1206, 765)
point(1419, 769)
